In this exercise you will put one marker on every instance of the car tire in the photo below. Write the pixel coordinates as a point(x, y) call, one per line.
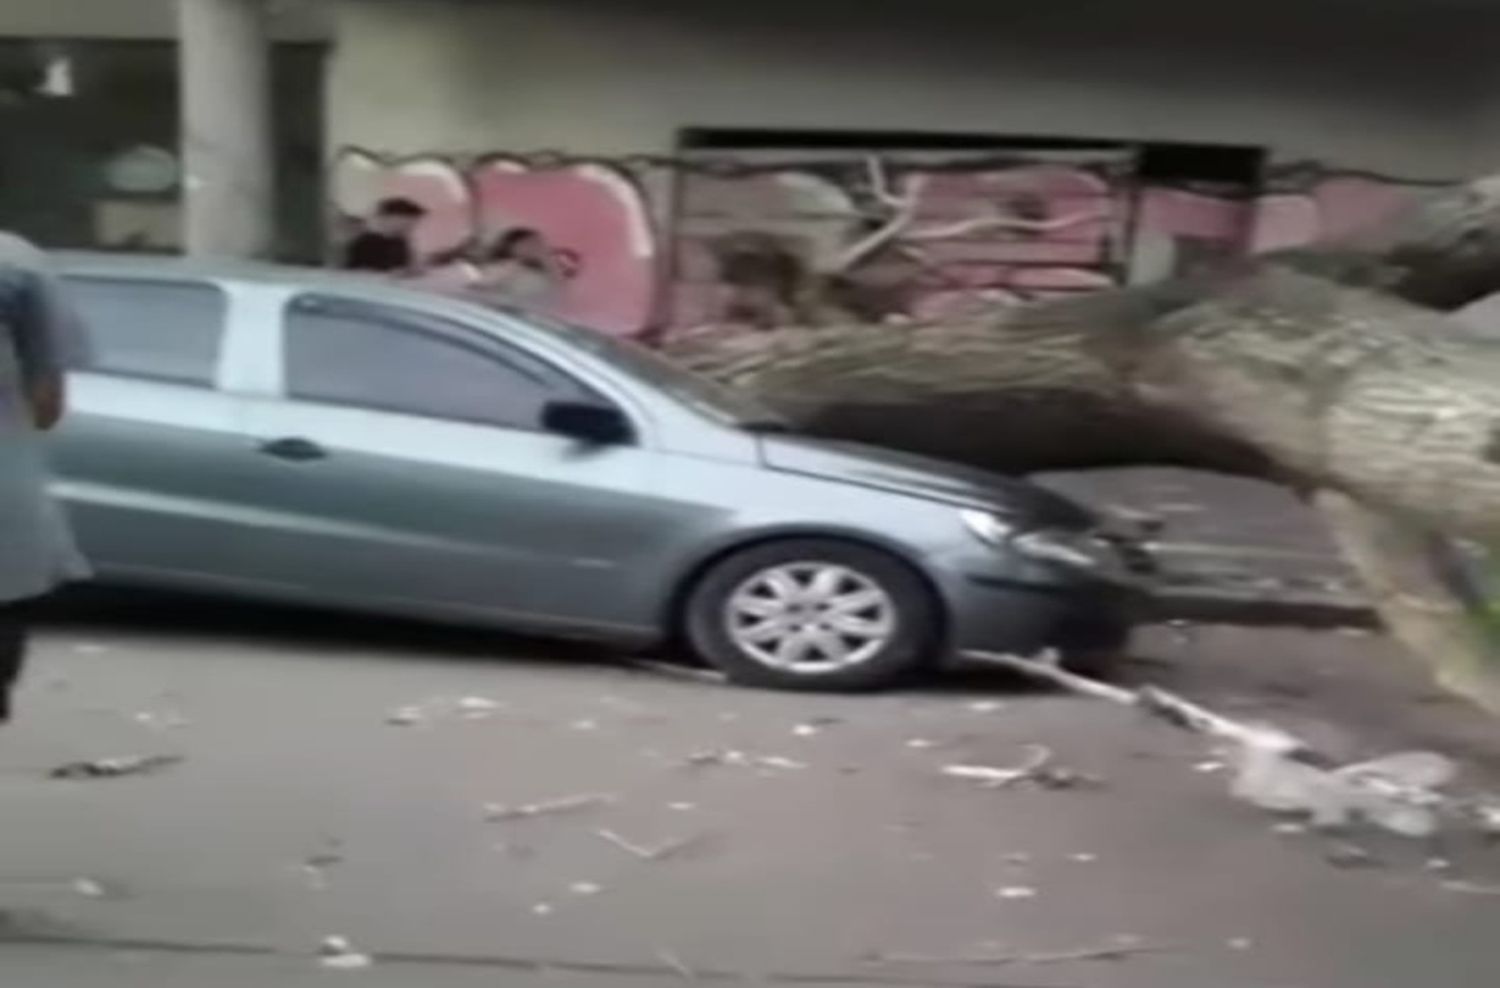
point(779, 616)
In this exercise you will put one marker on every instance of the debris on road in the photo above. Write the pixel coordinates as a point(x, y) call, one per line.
point(1279, 772)
point(1015, 892)
point(585, 888)
point(1036, 769)
point(465, 708)
point(477, 707)
point(921, 744)
point(338, 954)
point(543, 909)
point(677, 965)
point(496, 812)
point(986, 707)
point(1351, 856)
point(114, 768)
point(714, 756)
point(405, 717)
point(315, 866)
point(661, 852)
point(161, 720)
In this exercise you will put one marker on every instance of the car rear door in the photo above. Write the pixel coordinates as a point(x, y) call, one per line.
point(404, 466)
point(145, 461)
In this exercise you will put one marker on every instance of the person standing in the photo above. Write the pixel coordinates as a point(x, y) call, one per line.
point(521, 267)
point(40, 337)
point(384, 246)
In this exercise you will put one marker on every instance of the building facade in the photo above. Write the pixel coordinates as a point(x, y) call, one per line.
point(824, 159)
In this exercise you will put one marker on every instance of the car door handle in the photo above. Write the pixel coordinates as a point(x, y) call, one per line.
point(293, 448)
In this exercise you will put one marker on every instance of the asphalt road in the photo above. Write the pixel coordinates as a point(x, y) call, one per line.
point(831, 838)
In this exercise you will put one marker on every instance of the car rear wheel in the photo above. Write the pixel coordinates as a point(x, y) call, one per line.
point(814, 614)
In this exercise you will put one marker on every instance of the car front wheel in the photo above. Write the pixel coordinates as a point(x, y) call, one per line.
point(814, 614)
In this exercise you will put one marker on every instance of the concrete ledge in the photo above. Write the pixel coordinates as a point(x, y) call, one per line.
point(1207, 605)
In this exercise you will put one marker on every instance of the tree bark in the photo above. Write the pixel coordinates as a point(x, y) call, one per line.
point(1329, 370)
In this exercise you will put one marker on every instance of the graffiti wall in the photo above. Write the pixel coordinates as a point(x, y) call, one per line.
point(768, 238)
point(592, 215)
point(893, 236)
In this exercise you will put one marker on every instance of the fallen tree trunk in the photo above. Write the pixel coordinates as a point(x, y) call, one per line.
point(1328, 371)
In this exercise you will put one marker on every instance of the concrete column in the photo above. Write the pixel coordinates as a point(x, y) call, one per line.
point(227, 144)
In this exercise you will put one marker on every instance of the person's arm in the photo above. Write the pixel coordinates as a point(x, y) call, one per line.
point(50, 339)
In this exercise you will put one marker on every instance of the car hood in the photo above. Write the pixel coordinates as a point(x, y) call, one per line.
point(903, 473)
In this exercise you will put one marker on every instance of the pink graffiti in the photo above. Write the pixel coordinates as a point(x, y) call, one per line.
point(977, 236)
point(593, 216)
point(1331, 209)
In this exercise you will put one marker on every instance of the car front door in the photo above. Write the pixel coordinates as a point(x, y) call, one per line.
point(405, 466)
point(148, 462)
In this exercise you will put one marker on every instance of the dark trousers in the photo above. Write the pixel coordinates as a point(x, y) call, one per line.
point(13, 623)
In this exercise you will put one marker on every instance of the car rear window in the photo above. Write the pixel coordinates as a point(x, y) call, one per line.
point(158, 330)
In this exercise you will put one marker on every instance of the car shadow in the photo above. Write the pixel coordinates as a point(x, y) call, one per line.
point(186, 615)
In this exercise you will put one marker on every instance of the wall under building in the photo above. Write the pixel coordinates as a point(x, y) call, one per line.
point(574, 117)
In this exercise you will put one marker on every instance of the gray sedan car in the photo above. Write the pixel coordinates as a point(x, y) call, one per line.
point(344, 442)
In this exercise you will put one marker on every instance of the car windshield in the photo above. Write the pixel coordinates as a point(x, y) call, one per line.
point(708, 396)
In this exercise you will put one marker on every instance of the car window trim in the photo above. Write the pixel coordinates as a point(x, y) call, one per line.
point(443, 330)
point(210, 383)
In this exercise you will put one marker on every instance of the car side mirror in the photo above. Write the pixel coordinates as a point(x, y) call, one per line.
point(598, 425)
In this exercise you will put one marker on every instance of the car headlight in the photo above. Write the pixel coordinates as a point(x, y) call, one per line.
point(1065, 548)
point(1076, 550)
point(987, 526)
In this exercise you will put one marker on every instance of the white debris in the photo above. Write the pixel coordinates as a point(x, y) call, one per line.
point(1013, 892)
point(806, 730)
point(921, 744)
point(995, 778)
point(477, 707)
point(161, 721)
point(660, 852)
point(1083, 858)
point(1289, 828)
point(338, 954)
point(89, 889)
point(1438, 864)
point(677, 964)
point(777, 762)
point(682, 807)
point(90, 648)
point(1241, 943)
point(1396, 793)
point(986, 707)
point(496, 812)
point(585, 888)
point(1210, 767)
point(542, 909)
point(584, 726)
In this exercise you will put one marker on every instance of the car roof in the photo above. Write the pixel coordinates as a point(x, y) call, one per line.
point(252, 272)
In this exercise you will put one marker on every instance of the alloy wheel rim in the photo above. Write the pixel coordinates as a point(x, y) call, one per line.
point(810, 617)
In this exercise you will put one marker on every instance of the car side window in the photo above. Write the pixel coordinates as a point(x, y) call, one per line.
point(168, 331)
point(373, 356)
